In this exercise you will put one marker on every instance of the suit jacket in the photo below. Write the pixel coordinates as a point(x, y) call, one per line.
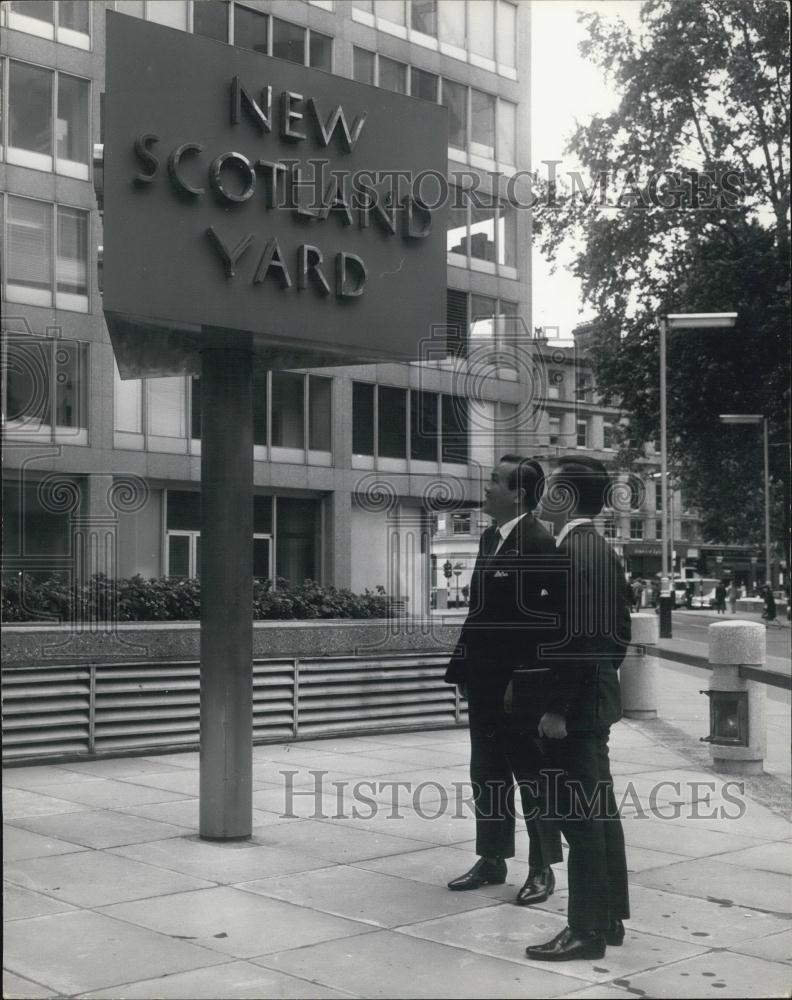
point(583, 682)
point(513, 609)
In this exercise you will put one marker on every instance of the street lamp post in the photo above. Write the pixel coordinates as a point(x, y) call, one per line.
point(675, 321)
point(756, 419)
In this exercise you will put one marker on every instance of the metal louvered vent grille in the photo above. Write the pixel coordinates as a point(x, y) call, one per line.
point(46, 711)
point(51, 712)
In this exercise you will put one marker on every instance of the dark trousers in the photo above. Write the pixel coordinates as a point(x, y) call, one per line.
point(502, 751)
point(580, 792)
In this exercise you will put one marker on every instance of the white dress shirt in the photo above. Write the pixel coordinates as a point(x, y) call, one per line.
point(569, 526)
point(504, 530)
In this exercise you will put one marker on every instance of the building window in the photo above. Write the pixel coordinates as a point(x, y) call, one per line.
point(609, 528)
point(288, 410)
point(251, 29)
point(481, 28)
point(320, 51)
point(362, 65)
point(460, 523)
point(636, 528)
point(582, 433)
point(39, 136)
point(507, 132)
point(67, 22)
point(481, 231)
point(393, 75)
point(320, 413)
point(451, 23)
point(45, 393)
point(454, 424)
point(423, 16)
point(482, 124)
point(288, 41)
point(658, 528)
point(424, 429)
point(583, 386)
point(391, 10)
point(507, 34)
point(35, 274)
point(455, 98)
point(607, 437)
point(392, 422)
point(423, 85)
point(210, 19)
point(362, 418)
point(555, 384)
point(171, 13)
point(456, 323)
point(554, 430)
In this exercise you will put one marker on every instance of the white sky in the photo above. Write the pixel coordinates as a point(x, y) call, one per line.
point(565, 88)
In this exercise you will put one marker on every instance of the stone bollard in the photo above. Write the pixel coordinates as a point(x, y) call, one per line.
point(738, 730)
point(638, 672)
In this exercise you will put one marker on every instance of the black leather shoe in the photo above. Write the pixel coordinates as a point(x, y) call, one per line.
point(538, 887)
point(614, 935)
point(569, 945)
point(482, 873)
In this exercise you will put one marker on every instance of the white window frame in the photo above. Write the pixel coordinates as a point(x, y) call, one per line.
point(192, 557)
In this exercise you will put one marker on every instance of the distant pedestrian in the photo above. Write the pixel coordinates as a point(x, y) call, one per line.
point(733, 597)
point(720, 598)
point(770, 606)
point(637, 588)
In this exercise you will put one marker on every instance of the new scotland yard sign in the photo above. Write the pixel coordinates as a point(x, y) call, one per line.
point(251, 201)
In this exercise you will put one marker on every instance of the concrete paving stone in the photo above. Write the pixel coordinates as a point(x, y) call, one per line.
point(599, 992)
point(187, 758)
point(743, 818)
point(94, 878)
point(774, 947)
point(653, 755)
point(20, 843)
point(629, 768)
point(699, 921)
point(447, 827)
point(101, 828)
point(768, 857)
point(438, 865)
point(118, 767)
point(332, 841)
point(19, 903)
point(329, 744)
point(410, 786)
point(81, 951)
point(505, 931)
point(105, 793)
point(431, 738)
point(641, 859)
point(387, 964)
point(43, 774)
point(236, 923)
point(225, 862)
point(235, 980)
point(717, 974)
point(424, 756)
point(367, 896)
point(19, 802)
point(18, 988)
point(688, 839)
point(363, 764)
point(704, 878)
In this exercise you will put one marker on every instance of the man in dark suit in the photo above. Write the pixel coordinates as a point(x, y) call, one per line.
point(510, 611)
point(581, 702)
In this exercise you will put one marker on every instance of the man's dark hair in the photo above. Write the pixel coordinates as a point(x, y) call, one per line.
point(527, 475)
point(588, 481)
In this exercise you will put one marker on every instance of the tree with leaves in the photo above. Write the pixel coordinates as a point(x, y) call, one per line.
point(684, 206)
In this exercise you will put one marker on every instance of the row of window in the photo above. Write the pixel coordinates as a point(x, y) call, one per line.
point(67, 21)
point(478, 122)
point(292, 413)
point(483, 30)
point(46, 254)
point(48, 125)
point(481, 235)
point(45, 389)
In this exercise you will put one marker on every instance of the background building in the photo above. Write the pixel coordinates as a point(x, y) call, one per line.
point(361, 473)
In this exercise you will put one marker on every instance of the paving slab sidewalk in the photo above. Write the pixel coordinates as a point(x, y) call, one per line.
point(108, 892)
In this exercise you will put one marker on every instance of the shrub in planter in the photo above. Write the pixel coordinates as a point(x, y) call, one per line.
point(175, 599)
